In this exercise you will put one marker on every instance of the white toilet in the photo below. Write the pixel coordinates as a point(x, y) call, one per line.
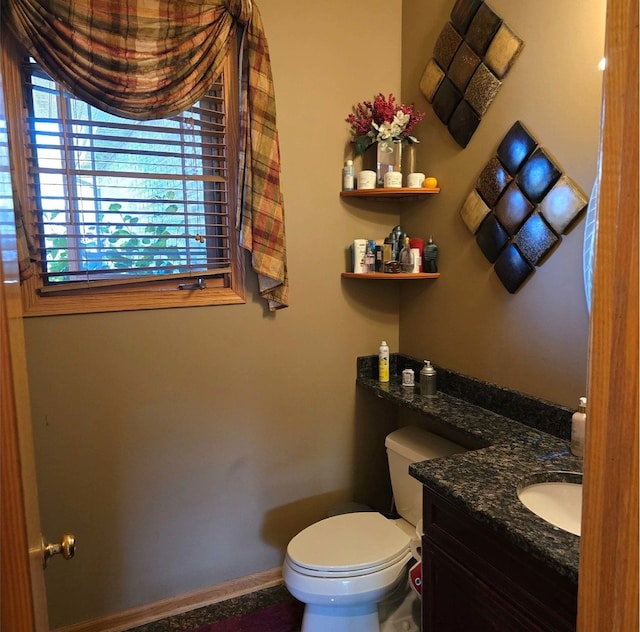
point(343, 567)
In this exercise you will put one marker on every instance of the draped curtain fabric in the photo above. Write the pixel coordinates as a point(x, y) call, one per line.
point(149, 59)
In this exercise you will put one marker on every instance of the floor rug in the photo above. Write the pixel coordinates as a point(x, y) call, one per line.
point(285, 616)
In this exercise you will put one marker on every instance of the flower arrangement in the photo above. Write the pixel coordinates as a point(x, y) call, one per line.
point(382, 119)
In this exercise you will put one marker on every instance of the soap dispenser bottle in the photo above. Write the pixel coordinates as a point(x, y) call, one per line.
point(578, 423)
point(427, 379)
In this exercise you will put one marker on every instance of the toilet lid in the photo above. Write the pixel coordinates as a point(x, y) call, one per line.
point(349, 542)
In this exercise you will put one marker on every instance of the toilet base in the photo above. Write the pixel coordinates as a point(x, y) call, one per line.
point(363, 618)
point(401, 611)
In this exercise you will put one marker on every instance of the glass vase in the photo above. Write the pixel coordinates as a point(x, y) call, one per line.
point(388, 158)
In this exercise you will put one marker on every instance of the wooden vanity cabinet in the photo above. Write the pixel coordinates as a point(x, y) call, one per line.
point(474, 581)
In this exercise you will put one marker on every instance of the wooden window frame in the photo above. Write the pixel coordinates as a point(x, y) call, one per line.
point(140, 294)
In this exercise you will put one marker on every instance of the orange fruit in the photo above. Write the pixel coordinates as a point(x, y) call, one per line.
point(430, 183)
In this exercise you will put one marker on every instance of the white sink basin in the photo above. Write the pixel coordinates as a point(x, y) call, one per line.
point(556, 497)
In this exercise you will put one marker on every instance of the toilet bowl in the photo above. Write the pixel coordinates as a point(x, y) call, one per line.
point(343, 567)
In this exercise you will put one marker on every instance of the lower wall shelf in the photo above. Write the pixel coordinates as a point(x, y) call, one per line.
point(389, 276)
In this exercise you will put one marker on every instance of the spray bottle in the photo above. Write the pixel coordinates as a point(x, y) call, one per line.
point(383, 362)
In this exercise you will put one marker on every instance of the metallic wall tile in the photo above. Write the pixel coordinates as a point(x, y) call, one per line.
point(463, 123)
point(537, 175)
point(446, 100)
point(491, 238)
point(482, 29)
point(446, 45)
point(503, 51)
point(535, 239)
point(562, 205)
point(512, 268)
point(521, 204)
point(512, 209)
point(462, 14)
point(462, 67)
point(492, 181)
point(517, 145)
point(473, 211)
point(431, 79)
point(482, 89)
point(474, 30)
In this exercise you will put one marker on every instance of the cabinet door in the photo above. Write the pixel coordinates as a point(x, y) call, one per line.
point(455, 600)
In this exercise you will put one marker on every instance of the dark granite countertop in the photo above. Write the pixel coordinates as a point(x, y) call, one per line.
point(512, 436)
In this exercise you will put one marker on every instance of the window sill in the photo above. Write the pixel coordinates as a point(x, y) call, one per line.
point(160, 297)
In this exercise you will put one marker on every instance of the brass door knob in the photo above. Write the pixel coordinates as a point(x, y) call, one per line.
point(67, 548)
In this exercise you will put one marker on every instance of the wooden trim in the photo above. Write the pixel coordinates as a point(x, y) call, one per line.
point(178, 605)
point(608, 586)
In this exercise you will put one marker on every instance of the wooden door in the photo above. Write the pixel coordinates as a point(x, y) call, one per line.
point(608, 587)
point(23, 606)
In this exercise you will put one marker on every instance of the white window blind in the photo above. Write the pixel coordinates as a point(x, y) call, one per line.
point(121, 201)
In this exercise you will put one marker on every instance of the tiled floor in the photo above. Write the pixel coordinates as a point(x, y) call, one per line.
point(217, 612)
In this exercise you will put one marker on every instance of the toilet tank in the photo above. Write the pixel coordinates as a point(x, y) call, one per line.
point(405, 446)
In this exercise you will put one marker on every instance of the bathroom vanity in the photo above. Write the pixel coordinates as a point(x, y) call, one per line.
point(489, 563)
point(473, 579)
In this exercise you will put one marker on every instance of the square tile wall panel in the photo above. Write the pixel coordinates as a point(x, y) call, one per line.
point(471, 56)
point(520, 206)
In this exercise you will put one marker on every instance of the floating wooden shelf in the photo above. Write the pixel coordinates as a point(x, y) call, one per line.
point(389, 193)
point(391, 276)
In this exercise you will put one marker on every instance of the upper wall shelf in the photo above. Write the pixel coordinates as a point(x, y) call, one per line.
point(389, 193)
point(388, 276)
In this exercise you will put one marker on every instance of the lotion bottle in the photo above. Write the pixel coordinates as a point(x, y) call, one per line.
point(578, 423)
point(383, 362)
point(348, 176)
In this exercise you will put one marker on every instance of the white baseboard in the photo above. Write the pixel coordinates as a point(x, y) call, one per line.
point(177, 605)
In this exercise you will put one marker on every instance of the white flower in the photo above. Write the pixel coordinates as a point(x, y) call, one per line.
point(401, 119)
point(385, 131)
point(392, 129)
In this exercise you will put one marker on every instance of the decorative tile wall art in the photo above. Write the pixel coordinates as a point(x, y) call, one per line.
point(520, 206)
point(471, 57)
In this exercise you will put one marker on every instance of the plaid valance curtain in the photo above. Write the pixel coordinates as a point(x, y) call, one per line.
point(149, 59)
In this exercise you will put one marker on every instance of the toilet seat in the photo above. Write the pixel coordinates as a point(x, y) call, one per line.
point(348, 545)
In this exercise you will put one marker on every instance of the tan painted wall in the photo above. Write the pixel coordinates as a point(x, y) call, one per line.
point(167, 495)
point(186, 447)
point(536, 340)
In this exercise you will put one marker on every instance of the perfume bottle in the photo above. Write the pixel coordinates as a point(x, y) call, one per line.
point(406, 257)
point(430, 257)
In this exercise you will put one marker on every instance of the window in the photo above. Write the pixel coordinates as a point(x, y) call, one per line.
point(128, 214)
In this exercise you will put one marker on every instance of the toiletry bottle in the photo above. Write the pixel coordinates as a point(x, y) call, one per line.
point(427, 379)
point(578, 422)
point(383, 362)
point(358, 252)
point(347, 176)
point(406, 257)
point(397, 236)
point(430, 257)
point(417, 245)
point(370, 256)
